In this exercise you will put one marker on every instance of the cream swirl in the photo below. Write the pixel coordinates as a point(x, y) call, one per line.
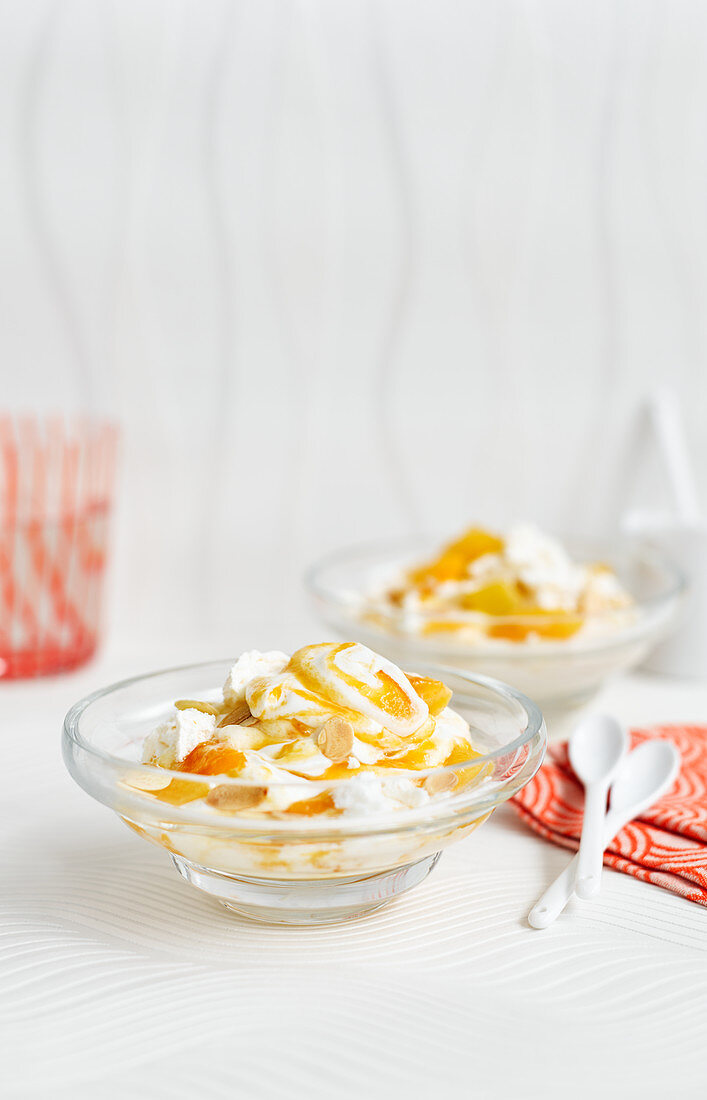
point(353, 677)
point(332, 711)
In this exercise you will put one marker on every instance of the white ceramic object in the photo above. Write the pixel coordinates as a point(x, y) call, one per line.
point(679, 533)
point(664, 411)
point(596, 748)
point(684, 652)
point(646, 774)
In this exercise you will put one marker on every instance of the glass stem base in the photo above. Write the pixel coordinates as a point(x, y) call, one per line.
point(305, 901)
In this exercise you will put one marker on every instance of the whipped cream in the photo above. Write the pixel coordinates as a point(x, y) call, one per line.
point(248, 666)
point(527, 582)
point(349, 678)
point(539, 562)
point(388, 728)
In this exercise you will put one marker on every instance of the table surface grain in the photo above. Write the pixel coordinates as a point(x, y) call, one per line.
point(119, 980)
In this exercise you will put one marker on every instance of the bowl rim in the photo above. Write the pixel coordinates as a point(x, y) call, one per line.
point(334, 601)
point(535, 724)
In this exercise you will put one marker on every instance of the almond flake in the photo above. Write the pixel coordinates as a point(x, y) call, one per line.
point(145, 781)
point(226, 797)
point(237, 716)
point(196, 704)
point(440, 782)
point(335, 739)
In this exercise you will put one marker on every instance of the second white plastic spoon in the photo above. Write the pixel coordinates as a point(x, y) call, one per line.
point(596, 748)
point(646, 774)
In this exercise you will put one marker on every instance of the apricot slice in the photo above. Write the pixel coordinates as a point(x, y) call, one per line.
point(181, 791)
point(422, 756)
point(453, 563)
point(308, 807)
point(557, 624)
point(442, 626)
point(391, 698)
point(461, 753)
point(561, 628)
point(213, 758)
point(498, 598)
point(510, 632)
point(434, 692)
point(476, 542)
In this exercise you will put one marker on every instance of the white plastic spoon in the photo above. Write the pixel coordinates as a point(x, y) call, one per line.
point(597, 747)
point(646, 774)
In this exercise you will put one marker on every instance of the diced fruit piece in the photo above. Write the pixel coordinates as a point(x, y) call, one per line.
point(434, 692)
point(308, 807)
point(450, 566)
point(563, 627)
point(213, 758)
point(550, 624)
point(511, 631)
point(442, 626)
point(391, 697)
point(459, 756)
point(423, 755)
point(476, 542)
point(181, 791)
point(339, 771)
point(453, 563)
point(461, 752)
point(498, 598)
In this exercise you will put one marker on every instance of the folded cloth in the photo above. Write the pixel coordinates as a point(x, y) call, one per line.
point(667, 845)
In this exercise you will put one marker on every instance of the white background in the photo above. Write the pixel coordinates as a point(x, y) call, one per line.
point(347, 268)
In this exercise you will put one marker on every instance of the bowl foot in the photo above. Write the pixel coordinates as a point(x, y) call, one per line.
point(305, 901)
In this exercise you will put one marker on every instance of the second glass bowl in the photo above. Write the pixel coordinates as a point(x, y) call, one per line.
point(560, 675)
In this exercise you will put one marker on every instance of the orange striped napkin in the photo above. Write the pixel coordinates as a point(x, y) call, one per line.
point(666, 846)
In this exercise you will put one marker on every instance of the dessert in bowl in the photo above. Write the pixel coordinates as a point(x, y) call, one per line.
point(554, 619)
point(309, 788)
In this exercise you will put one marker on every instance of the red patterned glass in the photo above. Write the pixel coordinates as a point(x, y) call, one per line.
point(56, 483)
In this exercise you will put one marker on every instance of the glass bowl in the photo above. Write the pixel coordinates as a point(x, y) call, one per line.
point(280, 867)
point(562, 676)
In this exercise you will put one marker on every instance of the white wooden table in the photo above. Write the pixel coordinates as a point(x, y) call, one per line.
point(119, 980)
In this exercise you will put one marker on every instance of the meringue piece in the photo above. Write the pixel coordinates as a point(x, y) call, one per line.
point(247, 667)
point(543, 565)
point(171, 742)
point(367, 793)
point(361, 794)
point(405, 792)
